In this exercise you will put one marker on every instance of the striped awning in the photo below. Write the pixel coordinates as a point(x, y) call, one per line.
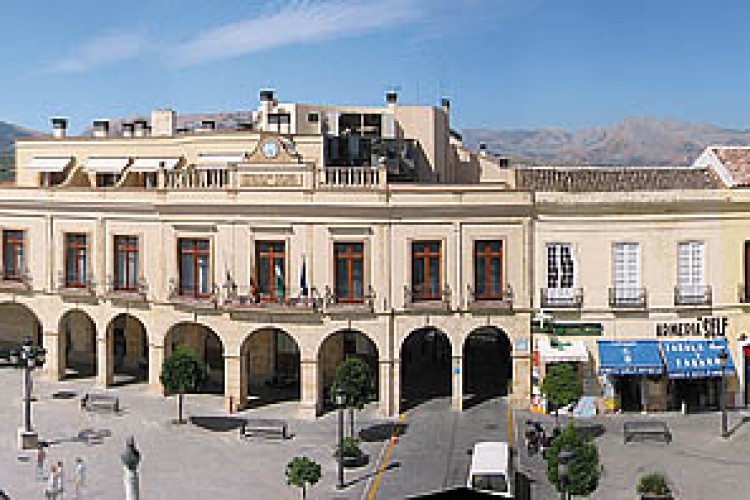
point(102, 165)
point(153, 164)
point(48, 163)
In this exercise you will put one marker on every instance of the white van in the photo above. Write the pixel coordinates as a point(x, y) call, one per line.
point(491, 471)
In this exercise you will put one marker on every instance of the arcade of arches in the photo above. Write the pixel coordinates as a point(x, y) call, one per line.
point(270, 366)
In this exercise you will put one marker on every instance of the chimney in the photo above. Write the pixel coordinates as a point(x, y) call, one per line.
point(100, 129)
point(391, 97)
point(59, 127)
point(140, 127)
point(445, 103)
point(127, 129)
point(163, 122)
point(483, 149)
point(266, 95)
point(208, 126)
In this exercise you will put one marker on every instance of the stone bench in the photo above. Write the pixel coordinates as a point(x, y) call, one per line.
point(264, 428)
point(100, 402)
point(646, 429)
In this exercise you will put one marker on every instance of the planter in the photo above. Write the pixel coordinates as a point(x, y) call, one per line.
point(653, 496)
point(356, 461)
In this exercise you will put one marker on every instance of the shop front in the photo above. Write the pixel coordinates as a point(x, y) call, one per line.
point(552, 350)
point(631, 375)
point(695, 374)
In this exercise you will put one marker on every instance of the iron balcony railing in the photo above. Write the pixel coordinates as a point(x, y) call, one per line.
point(336, 300)
point(76, 285)
point(571, 298)
point(693, 295)
point(249, 299)
point(191, 296)
point(628, 297)
point(116, 289)
point(427, 296)
point(13, 280)
point(498, 298)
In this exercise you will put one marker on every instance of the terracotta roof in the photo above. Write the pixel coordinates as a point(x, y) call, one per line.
point(603, 179)
point(737, 162)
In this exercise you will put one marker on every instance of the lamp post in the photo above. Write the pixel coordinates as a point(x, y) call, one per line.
point(26, 358)
point(723, 396)
point(563, 472)
point(340, 409)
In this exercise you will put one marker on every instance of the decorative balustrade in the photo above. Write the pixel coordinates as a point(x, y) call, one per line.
point(628, 297)
point(193, 297)
point(76, 285)
point(427, 297)
point(239, 299)
point(336, 302)
point(117, 290)
point(351, 177)
point(495, 299)
point(198, 178)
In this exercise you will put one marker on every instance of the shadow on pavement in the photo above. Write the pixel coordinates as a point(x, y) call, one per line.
point(217, 424)
point(589, 431)
point(523, 486)
point(382, 432)
point(87, 436)
point(64, 395)
point(390, 466)
point(734, 428)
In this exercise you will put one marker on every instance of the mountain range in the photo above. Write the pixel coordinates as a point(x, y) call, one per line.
point(633, 141)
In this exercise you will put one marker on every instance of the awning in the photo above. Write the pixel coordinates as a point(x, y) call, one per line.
point(153, 164)
point(218, 160)
point(106, 165)
point(49, 164)
point(635, 357)
point(561, 351)
point(695, 358)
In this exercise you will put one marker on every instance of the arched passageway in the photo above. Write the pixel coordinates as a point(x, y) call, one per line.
point(16, 323)
point(271, 359)
point(487, 365)
point(207, 345)
point(77, 334)
point(127, 348)
point(337, 347)
point(425, 367)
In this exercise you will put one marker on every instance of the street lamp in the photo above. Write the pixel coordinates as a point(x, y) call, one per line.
point(723, 396)
point(27, 358)
point(563, 472)
point(340, 409)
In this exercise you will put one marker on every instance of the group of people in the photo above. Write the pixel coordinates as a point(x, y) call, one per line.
point(56, 478)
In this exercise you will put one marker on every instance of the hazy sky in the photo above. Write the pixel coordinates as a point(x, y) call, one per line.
point(504, 63)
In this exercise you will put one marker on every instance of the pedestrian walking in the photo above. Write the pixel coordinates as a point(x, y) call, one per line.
point(51, 491)
point(40, 456)
point(60, 481)
point(80, 476)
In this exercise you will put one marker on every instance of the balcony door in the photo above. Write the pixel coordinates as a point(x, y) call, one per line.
point(626, 271)
point(349, 272)
point(195, 265)
point(690, 269)
point(271, 271)
point(426, 270)
point(488, 270)
point(13, 255)
point(560, 271)
point(76, 250)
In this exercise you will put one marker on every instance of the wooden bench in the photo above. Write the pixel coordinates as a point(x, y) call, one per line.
point(264, 428)
point(646, 429)
point(100, 402)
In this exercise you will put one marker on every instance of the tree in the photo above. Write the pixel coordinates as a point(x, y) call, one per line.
point(561, 385)
point(182, 372)
point(302, 471)
point(584, 469)
point(355, 379)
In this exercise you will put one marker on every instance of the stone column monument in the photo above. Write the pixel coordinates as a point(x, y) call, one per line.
point(130, 459)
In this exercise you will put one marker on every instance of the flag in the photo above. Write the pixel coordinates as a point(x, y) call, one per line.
point(278, 285)
point(303, 279)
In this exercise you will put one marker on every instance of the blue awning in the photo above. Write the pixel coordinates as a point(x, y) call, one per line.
point(635, 357)
point(695, 358)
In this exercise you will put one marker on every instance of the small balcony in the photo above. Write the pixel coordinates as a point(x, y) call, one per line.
point(191, 298)
point(628, 298)
point(562, 298)
point(14, 282)
point(693, 295)
point(336, 302)
point(119, 291)
point(498, 300)
point(248, 299)
point(352, 177)
point(76, 286)
point(426, 297)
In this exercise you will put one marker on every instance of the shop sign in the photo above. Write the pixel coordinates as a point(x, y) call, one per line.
point(569, 329)
point(706, 327)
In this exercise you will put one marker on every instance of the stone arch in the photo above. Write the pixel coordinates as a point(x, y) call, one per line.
point(127, 349)
point(425, 359)
point(78, 343)
point(207, 344)
point(270, 367)
point(18, 321)
point(487, 364)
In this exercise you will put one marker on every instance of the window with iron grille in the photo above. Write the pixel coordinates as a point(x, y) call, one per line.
point(195, 267)
point(426, 270)
point(126, 263)
point(13, 255)
point(488, 270)
point(560, 266)
point(349, 269)
point(76, 260)
point(271, 270)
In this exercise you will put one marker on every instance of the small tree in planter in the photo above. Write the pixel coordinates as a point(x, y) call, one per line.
point(355, 380)
point(561, 386)
point(182, 372)
point(584, 469)
point(350, 452)
point(302, 471)
point(654, 486)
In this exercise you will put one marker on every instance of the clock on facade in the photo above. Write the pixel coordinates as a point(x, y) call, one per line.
point(270, 149)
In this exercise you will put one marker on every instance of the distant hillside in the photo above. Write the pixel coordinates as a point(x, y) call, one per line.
point(9, 133)
point(634, 141)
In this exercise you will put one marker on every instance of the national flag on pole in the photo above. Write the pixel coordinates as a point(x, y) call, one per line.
point(278, 285)
point(303, 279)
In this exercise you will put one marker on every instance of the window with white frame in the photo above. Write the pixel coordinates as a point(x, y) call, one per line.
point(690, 268)
point(626, 270)
point(560, 269)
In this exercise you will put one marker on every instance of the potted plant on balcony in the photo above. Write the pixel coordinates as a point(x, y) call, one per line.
point(654, 486)
point(352, 455)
